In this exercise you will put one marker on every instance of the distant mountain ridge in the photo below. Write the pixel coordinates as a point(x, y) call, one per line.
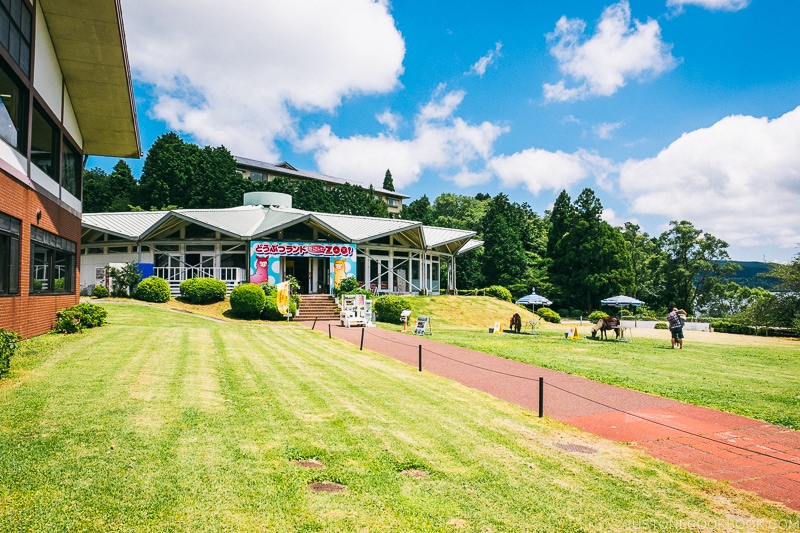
point(753, 275)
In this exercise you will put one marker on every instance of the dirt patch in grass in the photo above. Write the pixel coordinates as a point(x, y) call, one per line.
point(326, 486)
point(415, 473)
point(308, 463)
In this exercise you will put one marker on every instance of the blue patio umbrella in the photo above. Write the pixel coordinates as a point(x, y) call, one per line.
point(621, 301)
point(533, 299)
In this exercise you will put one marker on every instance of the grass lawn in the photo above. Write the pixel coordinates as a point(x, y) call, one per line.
point(163, 421)
point(750, 376)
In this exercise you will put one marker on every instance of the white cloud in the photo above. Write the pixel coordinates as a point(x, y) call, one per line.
point(713, 5)
point(738, 179)
point(538, 169)
point(391, 121)
point(483, 63)
point(602, 64)
point(605, 130)
point(234, 73)
point(441, 141)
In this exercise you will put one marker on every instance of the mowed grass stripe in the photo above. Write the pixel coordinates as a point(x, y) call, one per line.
point(235, 403)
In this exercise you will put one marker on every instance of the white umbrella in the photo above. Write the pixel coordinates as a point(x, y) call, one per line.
point(533, 299)
point(621, 301)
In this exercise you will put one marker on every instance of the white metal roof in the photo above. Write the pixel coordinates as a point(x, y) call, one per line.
point(252, 222)
point(451, 239)
point(128, 225)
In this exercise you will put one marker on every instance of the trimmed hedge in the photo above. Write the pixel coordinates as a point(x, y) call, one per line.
point(548, 315)
point(247, 301)
point(594, 316)
point(499, 292)
point(152, 289)
point(100, 292)
point(388, 308)
point(203, 290)
point(661, 325)
point(79, 317)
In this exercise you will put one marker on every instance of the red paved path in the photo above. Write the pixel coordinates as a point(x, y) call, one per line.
point(750, 454)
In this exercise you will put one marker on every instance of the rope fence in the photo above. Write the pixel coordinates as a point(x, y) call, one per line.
point(541, 382)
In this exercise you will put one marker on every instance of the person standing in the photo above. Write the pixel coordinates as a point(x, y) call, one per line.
point(675, 328)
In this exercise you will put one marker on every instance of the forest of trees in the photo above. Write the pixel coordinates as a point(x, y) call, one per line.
point(569, 253)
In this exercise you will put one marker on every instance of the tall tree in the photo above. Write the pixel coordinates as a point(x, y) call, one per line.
point(419, 210)
point(311, 195)
point(693, 261)
point(504, 260)
point(352, 200)
point(167, 173)
point(588, 257)
point(646, 257)
point(388, 183)
point(109, 192)
point(459, 212)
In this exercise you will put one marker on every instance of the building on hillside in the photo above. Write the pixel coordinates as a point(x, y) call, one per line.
point(267, 240)
point(260, 171)
point(66, 92)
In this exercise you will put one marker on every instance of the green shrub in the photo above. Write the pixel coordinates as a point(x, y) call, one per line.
point(661, 325)
point(79, 317)
point(270, 310)
point(563, 312)
point(58, 285)
point(733, 327)
point(499, 292)
point(247, 300)
point(152, 289)
point(388, 308)
point(548, 315)
point(594, 316)
point(203, 290)
point(124, 279)
point(576, 313)
point(100, 292)
point(9, 343)
point(348, 285)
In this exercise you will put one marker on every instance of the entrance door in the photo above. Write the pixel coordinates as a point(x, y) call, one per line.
point(300, 269)
point(379, 274)
point(200, 265)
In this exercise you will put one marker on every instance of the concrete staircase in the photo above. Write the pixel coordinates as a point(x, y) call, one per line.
point(319, 306)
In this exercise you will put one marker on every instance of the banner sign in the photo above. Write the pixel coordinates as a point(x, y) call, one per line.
point(301, 249)
point(265, 259)
point(283, 297)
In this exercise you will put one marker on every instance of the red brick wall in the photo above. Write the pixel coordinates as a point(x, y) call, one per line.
point(26, 314)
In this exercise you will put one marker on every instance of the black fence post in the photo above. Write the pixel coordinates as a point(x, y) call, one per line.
point(329, 331)
point(541, 397)
point(420, 358)
point(314, 324)
point(362, 340)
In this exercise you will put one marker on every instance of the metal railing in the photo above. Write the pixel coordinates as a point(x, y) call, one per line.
point(232, 276)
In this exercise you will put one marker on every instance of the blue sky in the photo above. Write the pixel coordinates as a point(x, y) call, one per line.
point(668, 109)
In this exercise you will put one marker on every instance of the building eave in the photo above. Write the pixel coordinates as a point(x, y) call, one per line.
point(89, 41)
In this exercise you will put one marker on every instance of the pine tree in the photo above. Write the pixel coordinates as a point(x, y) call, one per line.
point(388, 184)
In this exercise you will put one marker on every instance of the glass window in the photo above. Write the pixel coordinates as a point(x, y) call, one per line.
point(9, 254)
point(12, 112)
point(52, 263)
point(71, 169)
point(15, 32)
point(43, 143)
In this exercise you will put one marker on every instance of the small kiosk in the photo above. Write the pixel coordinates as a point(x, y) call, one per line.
point(356, 310)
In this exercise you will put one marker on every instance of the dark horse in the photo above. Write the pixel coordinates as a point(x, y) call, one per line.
point(516, 323)
point(607, 323)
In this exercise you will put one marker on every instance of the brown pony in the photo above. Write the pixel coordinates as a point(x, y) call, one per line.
point(605, 324)
point(516, 323)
